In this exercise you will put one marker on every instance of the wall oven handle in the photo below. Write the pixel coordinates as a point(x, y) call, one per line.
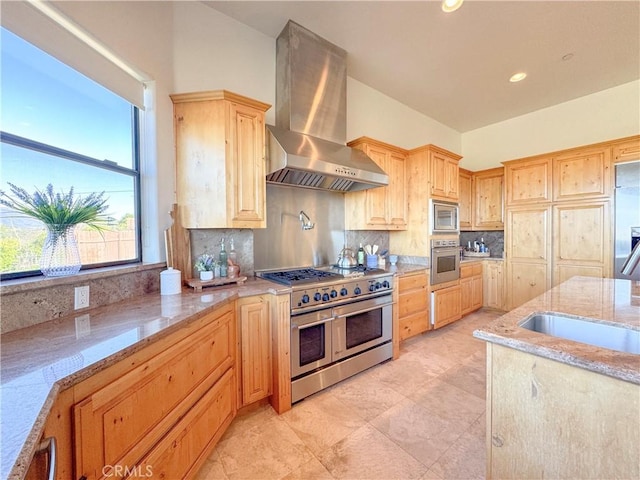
point(364, 310)
point(312, 324)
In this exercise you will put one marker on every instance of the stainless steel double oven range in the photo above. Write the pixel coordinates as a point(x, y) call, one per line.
point(341, 324)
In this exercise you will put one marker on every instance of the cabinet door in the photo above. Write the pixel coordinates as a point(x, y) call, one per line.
point(526, 281)
point(396, 191)
point(582, 174)
point(488, 200)
point(582, 240)
point(493, 285)
point(528, 181)
point(627, 150)
point(465, 202)
point(446, 305)
point(255, 325)
point(246, 166)
point(466, 295)
point(453, 178)
point(528, 234)
point(376, 203)
point(444, 176)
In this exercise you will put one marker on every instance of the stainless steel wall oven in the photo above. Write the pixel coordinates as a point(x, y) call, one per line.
point(445, 261)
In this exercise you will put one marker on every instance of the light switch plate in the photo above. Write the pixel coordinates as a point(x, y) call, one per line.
point(83, 326)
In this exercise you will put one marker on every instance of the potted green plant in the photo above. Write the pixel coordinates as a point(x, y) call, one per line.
point(60, 213)
point(205, 264)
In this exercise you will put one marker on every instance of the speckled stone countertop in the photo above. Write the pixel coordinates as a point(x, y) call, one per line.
point(39, 361)
point(600, 300)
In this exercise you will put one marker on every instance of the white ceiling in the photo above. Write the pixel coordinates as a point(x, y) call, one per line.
point(455, 67)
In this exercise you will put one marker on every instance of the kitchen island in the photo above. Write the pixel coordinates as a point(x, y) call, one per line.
point(558, 408)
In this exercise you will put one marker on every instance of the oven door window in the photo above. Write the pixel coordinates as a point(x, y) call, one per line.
point(363, 328)
point(312, 344)
point(446, 264)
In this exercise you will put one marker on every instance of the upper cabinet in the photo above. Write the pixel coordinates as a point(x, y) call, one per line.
point(381, 208)
point(443, 173)
point(220, 160)
point(528, 181)
point(465, 201)
point(580, 174)
point(488, 199)
point(627, 149)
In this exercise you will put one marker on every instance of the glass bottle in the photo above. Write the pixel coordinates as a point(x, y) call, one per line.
point(233, 256)
point(360, 256)
point(223, 259)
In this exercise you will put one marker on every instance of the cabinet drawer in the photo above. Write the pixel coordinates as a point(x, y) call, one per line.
point(476, 269)
point(414, 324)
point(411, 281)
point(186, 446)
point(412, 302)
point(470, 270)
point(120, 422)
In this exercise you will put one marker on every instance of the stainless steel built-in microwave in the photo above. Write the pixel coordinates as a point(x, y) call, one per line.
point(443, 217)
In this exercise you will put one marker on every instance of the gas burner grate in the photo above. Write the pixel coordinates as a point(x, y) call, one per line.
point(290, 277)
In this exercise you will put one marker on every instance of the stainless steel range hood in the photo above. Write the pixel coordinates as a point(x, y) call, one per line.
point(307, 147)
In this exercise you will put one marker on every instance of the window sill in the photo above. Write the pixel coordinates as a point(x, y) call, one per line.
point(34, 283)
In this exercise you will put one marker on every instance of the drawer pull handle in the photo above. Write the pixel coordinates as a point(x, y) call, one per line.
point(48, 445)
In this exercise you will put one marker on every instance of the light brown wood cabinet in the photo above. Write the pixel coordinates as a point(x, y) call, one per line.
point(470, 287)
point(254, 322)
point(381, 208)
point(488, 199)
point(528, 181)
point(444, 174)
point(465, 201)
point(220, 160)
point(547, 419)
point(493, 285)
point(582, 240)
point(582, 174)
point(165, 407)
point(413, 304)
point(626, 149)
point(447, 305)
point(528, 250)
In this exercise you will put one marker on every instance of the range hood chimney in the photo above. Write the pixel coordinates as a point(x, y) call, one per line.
point(306, 147)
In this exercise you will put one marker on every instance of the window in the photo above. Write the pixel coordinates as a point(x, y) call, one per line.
point(61, 128)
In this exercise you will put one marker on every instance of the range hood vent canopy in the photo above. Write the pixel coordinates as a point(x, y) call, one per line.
point(307, 147)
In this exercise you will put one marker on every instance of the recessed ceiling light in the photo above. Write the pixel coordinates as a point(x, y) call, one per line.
point(517, 77)
point(451, 5)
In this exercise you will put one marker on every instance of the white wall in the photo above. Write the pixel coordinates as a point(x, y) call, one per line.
point(378, 116)
point(602, 116)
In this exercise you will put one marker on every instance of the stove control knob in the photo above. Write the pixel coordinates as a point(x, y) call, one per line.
point(357, 291)
point(378, 285)
point(325, 297)
point(343, 292)
point(333, 294)
point(305, 298)
point(372, 287)
point(385, 284)
point(317, 296)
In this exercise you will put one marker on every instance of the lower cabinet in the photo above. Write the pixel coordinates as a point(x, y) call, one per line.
point(493, 285)
point(446, 305)
point(163, 415)
point(470, 287)
point(413, 304)
point(255, 382)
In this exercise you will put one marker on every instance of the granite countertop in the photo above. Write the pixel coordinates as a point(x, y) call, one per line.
point(601, 300)
point(479, 259)
point(39, 361)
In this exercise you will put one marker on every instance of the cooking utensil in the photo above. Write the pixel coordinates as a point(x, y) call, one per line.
point(346, 259)
point(374, 250)
point(384, 252)
point(367, 249)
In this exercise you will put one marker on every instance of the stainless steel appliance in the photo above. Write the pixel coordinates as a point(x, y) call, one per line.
point(445, 261)
point(627, 217)
point(341, 324)
point(307, 146)
point(444, 217)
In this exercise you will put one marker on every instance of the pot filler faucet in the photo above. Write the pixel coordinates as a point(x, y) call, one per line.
point(306, 222)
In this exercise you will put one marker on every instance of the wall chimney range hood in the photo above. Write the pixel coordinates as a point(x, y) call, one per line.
point(307, 146)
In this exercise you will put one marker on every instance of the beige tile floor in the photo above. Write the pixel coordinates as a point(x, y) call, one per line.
point(421, 416)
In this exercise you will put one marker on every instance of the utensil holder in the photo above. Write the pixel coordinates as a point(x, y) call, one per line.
point(372, 261)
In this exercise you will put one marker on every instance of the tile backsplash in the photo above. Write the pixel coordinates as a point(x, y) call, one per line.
point(493, 239)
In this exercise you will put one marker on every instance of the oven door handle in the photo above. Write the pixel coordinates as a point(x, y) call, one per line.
point(312, 324)
point(364, 310)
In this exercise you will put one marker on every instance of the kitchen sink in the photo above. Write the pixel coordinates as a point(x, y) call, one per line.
point(585, 330)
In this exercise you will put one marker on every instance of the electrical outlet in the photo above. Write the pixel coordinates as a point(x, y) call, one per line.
point(81, 297)
point(83, 326)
